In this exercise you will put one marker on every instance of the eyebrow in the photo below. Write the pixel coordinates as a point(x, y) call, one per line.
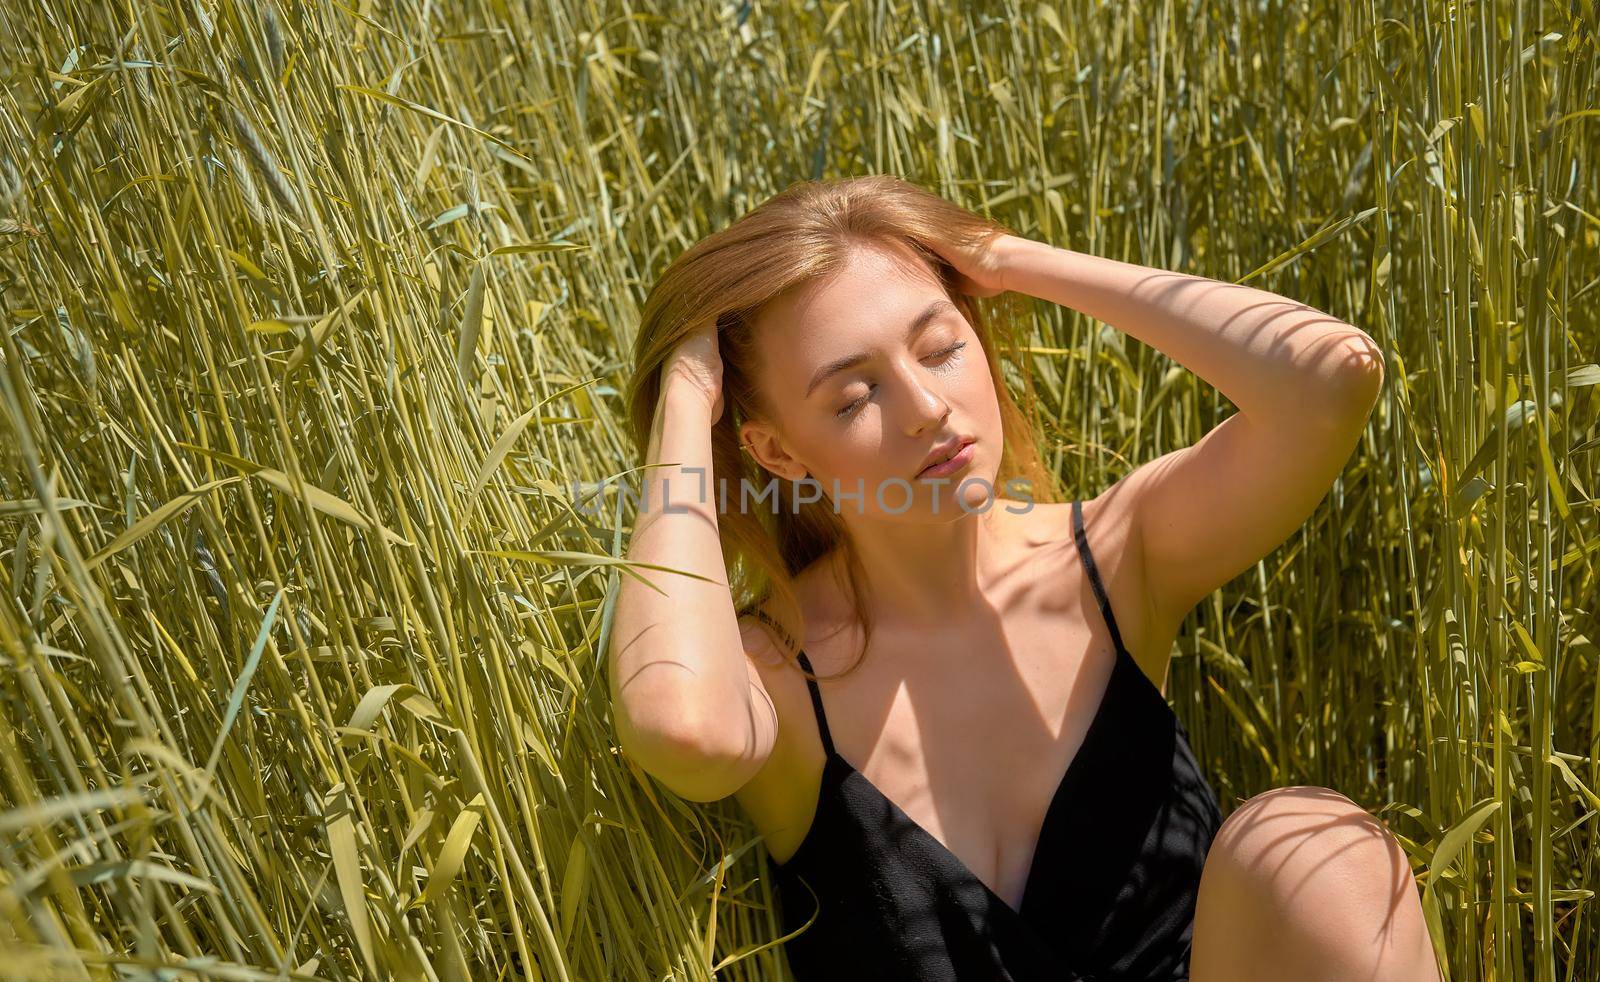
point(918, 322)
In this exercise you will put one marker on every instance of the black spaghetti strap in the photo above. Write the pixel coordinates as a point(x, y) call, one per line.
point(816, 704)
point(1094, 575)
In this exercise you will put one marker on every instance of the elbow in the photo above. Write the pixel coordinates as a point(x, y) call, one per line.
point(1355, 376)
point(695, 760)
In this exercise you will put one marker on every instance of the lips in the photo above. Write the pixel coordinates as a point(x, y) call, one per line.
point(944, 452)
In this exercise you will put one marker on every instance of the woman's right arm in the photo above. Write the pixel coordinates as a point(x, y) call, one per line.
point(689, 706)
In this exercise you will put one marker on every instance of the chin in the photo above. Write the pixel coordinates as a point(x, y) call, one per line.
point(980, 494)
point(975, 486)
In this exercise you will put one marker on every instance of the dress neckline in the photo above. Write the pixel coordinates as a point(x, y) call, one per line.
point(1123, 671)
point(836, 768)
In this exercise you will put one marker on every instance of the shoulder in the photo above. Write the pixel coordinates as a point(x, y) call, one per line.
point(1110, 534)
point(773, 670)
point(773, 640)
point(770, 660)
point(1107, 526)
point(761, 635)
point(781, 795)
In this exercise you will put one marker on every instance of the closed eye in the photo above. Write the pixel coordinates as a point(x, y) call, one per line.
point(943, 355)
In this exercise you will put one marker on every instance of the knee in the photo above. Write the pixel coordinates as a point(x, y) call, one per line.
point(1313, 850)
point(1324, 887)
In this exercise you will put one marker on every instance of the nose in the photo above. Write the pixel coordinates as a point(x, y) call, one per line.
point(925, 404)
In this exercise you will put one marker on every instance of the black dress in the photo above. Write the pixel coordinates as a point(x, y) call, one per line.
point(1110, 893)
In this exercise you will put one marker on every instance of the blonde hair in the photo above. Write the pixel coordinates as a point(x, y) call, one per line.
point(799, 235)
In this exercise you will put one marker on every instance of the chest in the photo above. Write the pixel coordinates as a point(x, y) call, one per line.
point(972, 741)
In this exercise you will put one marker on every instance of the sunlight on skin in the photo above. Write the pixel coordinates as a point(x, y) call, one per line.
point(1302, 883)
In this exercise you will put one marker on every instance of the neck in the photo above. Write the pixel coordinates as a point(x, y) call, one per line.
point(924, 572)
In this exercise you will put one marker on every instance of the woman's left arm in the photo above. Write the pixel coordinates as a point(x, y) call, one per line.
point(1304, 383)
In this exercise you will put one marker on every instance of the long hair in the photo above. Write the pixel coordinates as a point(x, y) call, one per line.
point(798, 235)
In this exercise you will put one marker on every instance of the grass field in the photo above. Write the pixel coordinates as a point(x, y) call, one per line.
point(316, 317)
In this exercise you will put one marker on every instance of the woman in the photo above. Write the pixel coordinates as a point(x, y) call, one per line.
point(998, 789)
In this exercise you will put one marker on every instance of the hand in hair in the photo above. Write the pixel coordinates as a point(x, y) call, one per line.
point(980, 267)
point(698, 361)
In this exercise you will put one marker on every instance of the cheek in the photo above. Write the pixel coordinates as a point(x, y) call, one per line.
point(847, 454)
point(979, 398)
point(853, 451)
point(983, 415)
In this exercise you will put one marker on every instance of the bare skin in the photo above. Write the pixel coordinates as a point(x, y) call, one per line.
point(1303, 883)
point(935, 705)
point(987, 642)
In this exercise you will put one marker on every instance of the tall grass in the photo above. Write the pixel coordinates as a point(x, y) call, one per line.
point(315, 317)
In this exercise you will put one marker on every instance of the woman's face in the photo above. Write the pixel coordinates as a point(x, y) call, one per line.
point(868, 373)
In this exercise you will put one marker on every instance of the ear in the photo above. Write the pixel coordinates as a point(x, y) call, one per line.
point(767, 447)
